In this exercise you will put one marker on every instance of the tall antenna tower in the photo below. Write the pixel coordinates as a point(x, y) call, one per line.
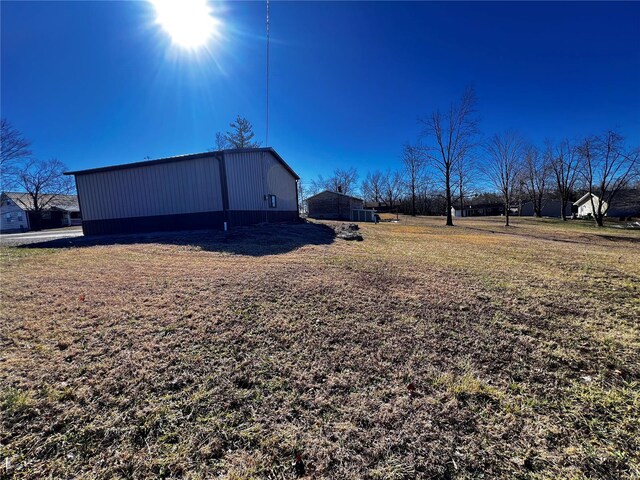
point(267, 128)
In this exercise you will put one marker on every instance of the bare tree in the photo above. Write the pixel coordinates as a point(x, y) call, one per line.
point(318, 184)
point(464, 172)
point(608, 167)
point(302, 196)
point(565, 162)
point(241, 134)
point(345, 180)
point(342, 181)
point(392, 188)
point(372, 186)
point(425, 198)
point(414, 162)
point(454, 135)
point(503, 166)
point(221, 141)
point(14, 149)
point(44, 181)
point(536, 173)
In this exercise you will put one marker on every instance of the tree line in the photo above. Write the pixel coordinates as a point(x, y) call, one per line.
point(450, 160)
point(448, 163)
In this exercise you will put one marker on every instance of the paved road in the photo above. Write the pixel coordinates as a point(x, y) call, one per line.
point(13, 239)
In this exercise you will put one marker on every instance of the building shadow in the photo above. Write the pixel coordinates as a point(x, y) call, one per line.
point(258, 240)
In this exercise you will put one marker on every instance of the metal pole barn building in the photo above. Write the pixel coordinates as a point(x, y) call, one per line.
point(333, 205)
point(198, 191)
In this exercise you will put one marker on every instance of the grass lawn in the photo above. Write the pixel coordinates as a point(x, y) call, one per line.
point(278, 352)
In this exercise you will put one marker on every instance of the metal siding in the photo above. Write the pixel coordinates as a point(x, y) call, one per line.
point(332, 205)
point(82, 185)
point(154, 223)
point(79, 186)
point(251, 217)
point(252, 175)
point(86, 184)
point(282, 184)
point(161, 189)
point(245, 180)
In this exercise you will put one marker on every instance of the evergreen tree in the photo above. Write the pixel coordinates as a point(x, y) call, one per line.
point(241, 134)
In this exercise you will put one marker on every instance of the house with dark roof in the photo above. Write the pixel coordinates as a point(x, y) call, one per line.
point(17, 212)
point(207, 190)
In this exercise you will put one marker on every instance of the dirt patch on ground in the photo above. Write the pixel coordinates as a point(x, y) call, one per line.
point(349, 232)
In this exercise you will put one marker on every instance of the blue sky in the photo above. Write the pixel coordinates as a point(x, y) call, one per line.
point(98, 83)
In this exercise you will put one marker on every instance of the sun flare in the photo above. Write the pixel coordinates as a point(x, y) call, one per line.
point(190, 23)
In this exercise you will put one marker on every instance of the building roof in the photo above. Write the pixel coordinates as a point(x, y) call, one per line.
point(68, 203)
point(191, 156)
point(334, 193)
point(584, 199)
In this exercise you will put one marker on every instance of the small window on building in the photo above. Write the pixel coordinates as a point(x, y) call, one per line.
point(273, 202)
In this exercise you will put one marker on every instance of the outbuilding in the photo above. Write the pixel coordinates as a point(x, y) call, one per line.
point(219, 189)
point(625, 204)
point(333, 206)
point(550, 208)
point(479, 210)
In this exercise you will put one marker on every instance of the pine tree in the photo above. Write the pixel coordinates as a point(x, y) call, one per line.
point(241, 134)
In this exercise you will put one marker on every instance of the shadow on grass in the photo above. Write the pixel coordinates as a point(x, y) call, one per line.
point(256, 240)
point(615, 238)
point(579, 236)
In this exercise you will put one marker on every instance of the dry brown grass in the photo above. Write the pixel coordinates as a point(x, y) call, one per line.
point(422, 352)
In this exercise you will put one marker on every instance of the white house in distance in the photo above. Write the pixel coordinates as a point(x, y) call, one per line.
point(17, 215)
point(586, 206)
point(13, 217)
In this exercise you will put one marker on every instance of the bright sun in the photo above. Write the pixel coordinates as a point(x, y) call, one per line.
point(189, 22)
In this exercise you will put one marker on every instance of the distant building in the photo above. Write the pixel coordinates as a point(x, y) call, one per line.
point(375, 205)
point(479, 210)
point(550, 208)
point(17, 215)
point(333, 206)
point(199, 191)
point(624, 205)
point(585, 205)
